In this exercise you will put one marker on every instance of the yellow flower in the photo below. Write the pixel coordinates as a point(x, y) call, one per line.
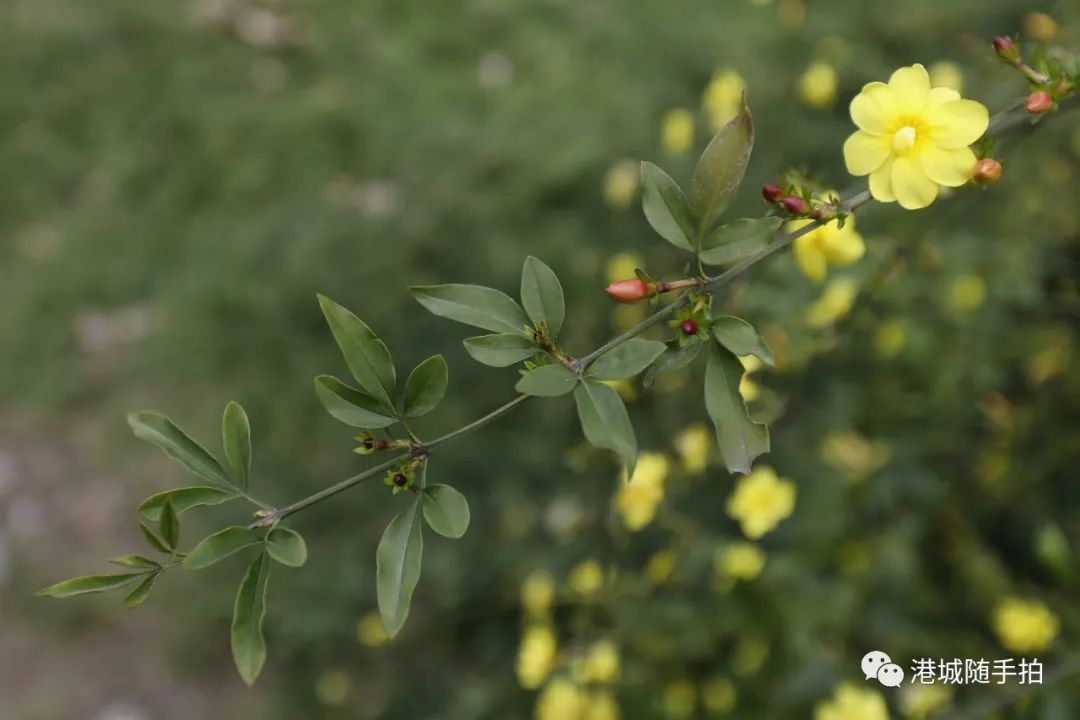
point(833, 304)
point(601, 664)
point(332, 688)
point(920, 702)
point(587, 577)
point(912, 138)
point(739, 561)
point(693, 445)
point(370, 630)
point(760, 501)
point(851, 702)
point(677, 131)
point(536, 656)
point(602, 706)
point(722, 97)
point(1025, 625)
point(827, 245)
point(679, 699)
point(561, 700)
point(1040, 26)
point(966, 294)
point(661, 566)
point(748, 388)
point(718, 696)
point(621, 186)
point(621, 266)
point(817, 86)
point(854, 454)
point(538, 594)
point(947, 74)
point(638, 499)
point(890, 337)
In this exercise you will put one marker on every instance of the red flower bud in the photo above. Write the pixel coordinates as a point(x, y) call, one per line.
point(1006, 49)
point(987, 171)
point(772, 192)
point(689, 327)
point(1039, 102)
point(795, 205)
point(629, 291)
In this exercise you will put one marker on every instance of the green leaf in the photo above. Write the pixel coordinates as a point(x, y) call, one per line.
point(481, 307)
point(368, 358)
point(739, 438)
point(547, 381)
point(446, 510)
point(220, 545)
point(741, 338)
point(739, 239)
point(604, 420)
point(665, 207)
point(248, 643)
point(153, 539)
point(286, 546)
point(425, 387)
point(542, 296)
point(625, 360)
point(185, 498)
point(141, 591)
point(169, 524)
point(351, 406)
point(135, 561)
point(89, 584)
point(676, 359)
point(398, 561)
point(720, 170)
point(500, 350)
point(159, 430)
point(236, 439)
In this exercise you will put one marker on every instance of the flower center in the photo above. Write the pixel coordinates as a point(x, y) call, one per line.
point(904, 140)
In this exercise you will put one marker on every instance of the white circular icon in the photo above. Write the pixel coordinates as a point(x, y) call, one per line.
point(890, 675)
point(874, 661)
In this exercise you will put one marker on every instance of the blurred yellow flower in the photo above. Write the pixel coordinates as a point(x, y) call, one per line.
point(913, 139)
point(1025, 625)
point(718, 695)
point(890, 337)
point(738, 561)
point(560, 700)
point(638, 498)
point(661, 566)
point(538, 594)
point(332, 688)
point(693, 445)
point(760, 501)
point(835, 302)
point(679, 699)
point(722, 97)
point(621, 266)
point(370, 630)
point(1040, 26)
point(748, 387)
point(677, 131)
point(827, 245)
point(601, 664)
point(626, 389)
point(792, 13)
point(536, 656)
point(1047, 362)
point(624, 317)
point(817, 85)
point(920, 702)
point(587, 577)
point(966, 293)
point(621, 184)
point(851, 702)
point(948, 75)
point(855, 455)
point(602, 706)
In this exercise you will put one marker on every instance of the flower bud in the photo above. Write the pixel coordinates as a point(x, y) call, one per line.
point(1006, 49)
point(772, 192)
point(689, 327)
point(401, 479)
point(1039, 102)
point(795, 205)
point(629, 291)
point(987, 171)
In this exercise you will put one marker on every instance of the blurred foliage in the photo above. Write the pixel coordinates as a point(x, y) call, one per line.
point(182, 178)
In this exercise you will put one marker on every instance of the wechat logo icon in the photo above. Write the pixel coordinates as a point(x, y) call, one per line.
point(879, 666)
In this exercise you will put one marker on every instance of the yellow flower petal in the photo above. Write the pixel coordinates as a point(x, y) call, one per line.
point(957, 123)
point(881, 183)
point(948, 167)
point(913, 188)
point(864, 153)
point(810, 258)
point(941, 95)
point(873, 109)
point(910, 87)
point(844, 247)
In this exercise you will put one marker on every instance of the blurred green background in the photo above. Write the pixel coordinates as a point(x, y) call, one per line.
point(180, 178)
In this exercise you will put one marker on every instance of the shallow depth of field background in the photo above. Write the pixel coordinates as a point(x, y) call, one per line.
point(178, 179)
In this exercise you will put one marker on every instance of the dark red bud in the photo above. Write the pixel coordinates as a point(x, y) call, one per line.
point(689, 327)
point(1039, 102)
point(629, 291)
point(795, 205)
point(987, 171)
point(401, 479)
point(1003, 44)
point(368, 443)
point(772, 192)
